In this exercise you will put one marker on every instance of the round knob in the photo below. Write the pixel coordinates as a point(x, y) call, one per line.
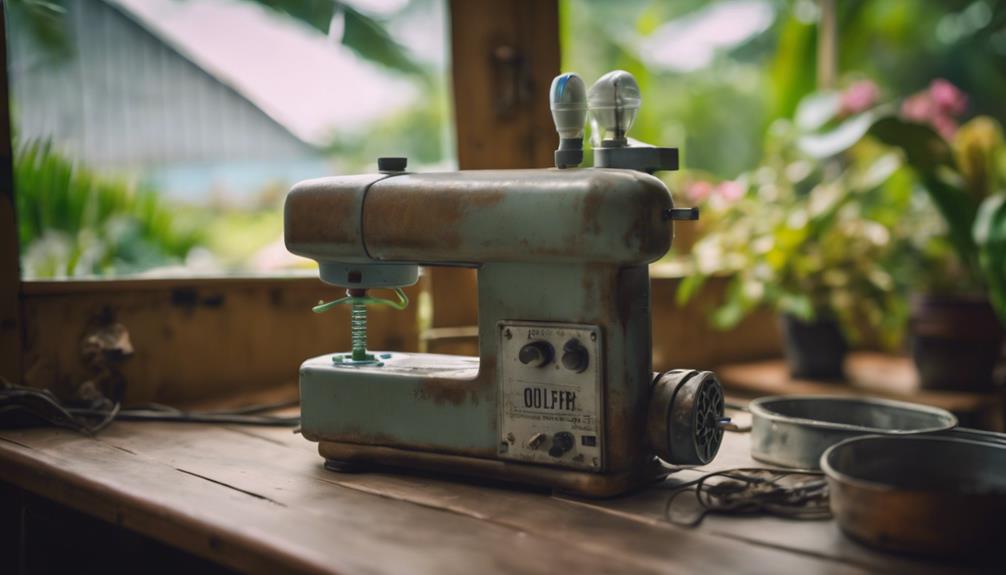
point(575, 357)
point(391, 164)
point(561, 443)
point(536, 354)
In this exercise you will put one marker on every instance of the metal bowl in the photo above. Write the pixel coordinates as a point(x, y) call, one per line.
point(794, 430)
point(919, 494)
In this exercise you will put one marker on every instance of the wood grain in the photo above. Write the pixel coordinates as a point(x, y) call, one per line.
point(258, 499)
point(200, 338)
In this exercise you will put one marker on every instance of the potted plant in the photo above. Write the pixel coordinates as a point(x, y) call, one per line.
point(956, 321)
point(810, 236)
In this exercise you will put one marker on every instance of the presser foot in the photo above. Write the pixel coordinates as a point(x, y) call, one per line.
point(563, 481)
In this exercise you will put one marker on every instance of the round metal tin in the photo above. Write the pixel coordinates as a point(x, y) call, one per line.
point(933, 495)
point(794, 430)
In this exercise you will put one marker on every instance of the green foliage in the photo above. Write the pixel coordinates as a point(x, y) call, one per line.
point(813, 236)
point(45, 20)
point(990, 237)
point(73, 222)
point(930, 155)
point(964, 179)
point(361, 33)
point(414, 133)
point(718, 114)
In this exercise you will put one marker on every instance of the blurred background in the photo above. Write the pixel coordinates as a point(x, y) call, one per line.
point(847, 156)
point(159, 137)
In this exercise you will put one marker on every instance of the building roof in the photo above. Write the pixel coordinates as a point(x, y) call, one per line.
point(310, 84)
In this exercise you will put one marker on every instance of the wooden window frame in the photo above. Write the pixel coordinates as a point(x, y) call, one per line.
point(195, 337)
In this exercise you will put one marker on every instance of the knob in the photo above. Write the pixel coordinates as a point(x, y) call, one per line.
point(536, 354)
point(561, 443)
point(392, 164)
point(575, 357)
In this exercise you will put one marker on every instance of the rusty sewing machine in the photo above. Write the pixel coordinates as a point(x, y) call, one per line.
point(562, 394)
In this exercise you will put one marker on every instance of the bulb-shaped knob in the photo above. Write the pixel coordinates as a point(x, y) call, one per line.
point(568, 101)
point(614, 101)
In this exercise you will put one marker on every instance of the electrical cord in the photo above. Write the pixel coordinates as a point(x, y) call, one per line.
point(249, 415)
point(24, 406)
point(792, 493)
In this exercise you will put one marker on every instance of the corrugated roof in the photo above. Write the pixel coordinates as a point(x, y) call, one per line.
point(308, 83)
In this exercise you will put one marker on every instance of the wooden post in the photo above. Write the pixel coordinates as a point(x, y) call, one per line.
point(827, 46)
point(505, 54)
point(10, 268)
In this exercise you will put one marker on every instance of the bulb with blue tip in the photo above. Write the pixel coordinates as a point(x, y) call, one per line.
point(568, 101)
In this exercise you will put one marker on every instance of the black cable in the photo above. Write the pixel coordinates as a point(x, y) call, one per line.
point(22, 405)
point(753, 490)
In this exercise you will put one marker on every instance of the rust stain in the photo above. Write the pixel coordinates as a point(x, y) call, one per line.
point(456, 392)
point(415, 219)
point(321, 216)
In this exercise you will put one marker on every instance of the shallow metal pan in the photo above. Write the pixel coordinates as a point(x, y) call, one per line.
point(932, 495)
point(794, 430)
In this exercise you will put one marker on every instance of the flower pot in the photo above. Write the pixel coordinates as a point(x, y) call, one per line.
point(814, 350)
point(956, 341)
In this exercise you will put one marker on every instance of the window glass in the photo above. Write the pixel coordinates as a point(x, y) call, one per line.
point(159, 137)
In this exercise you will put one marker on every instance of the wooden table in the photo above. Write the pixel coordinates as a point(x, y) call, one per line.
point(258, 500)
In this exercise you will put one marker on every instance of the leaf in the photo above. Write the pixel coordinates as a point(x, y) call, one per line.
point(369, 39)
point(924, 149)
point(315, 13)
point(932, 159)
point(833, 142)
point(990, 237)
point(816, 110)
point(361, 33)
point(689, 287)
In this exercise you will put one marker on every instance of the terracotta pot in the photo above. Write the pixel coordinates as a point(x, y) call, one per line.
point(956, 341)
point(814, 350)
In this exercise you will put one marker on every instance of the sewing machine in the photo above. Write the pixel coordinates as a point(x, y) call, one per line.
point(562, 393)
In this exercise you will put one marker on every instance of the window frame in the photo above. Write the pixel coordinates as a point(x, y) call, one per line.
point(504, 55)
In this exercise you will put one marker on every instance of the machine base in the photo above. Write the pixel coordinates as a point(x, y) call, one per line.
point(353, 458)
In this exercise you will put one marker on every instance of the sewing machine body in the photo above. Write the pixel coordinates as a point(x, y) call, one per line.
point(561, 255)
point(562, 393)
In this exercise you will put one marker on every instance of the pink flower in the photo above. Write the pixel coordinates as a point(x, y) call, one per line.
point(947, 98)
point(698, 190)
point(859, 97)
point(729, 190)
point(939, 107)
point(944, 126)
point(918, 108)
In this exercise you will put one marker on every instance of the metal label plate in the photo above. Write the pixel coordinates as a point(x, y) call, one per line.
point(550, 414)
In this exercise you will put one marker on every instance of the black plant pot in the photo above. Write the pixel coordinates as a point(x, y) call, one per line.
point(814, 350)
point(956, 342)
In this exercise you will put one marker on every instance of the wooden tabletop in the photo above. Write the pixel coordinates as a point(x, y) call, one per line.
point(259, 500)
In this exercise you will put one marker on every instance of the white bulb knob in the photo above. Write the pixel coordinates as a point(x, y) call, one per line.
point(614, 101)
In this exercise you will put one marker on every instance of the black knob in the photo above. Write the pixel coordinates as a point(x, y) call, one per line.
point(392, 164)
point(536, 354)
point(575, 357)
point(561, 443)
